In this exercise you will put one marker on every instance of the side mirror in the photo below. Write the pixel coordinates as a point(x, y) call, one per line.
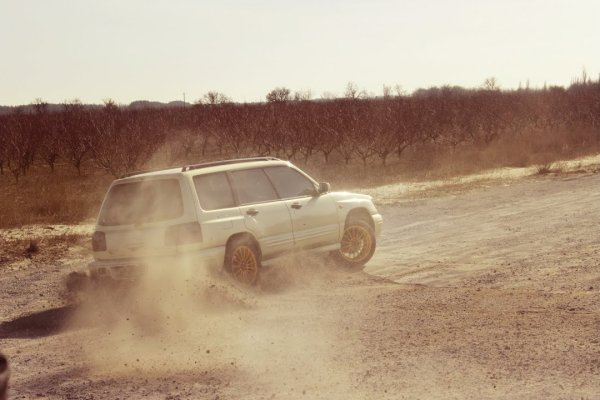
point(324, 187)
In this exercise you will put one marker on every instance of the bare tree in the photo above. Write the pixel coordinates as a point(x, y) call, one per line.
point(279, 95)
point(383, 126)
point(362, 132)
point(199, 117)
point(3, 144)
point(47, 130)
point(351, 91)
point(329, 124)
point(491, 84)
point(122, 141)
point(303, 95)
point(214, 97)
point(399, 90)
point(74, 130)
point(387, 91)
point(280, 131)
point(20, 142)
point(301, 128)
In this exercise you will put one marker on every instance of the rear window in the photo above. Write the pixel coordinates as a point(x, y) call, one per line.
point(140, 202)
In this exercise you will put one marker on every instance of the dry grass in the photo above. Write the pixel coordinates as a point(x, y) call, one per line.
point(41, 197)
point(552, 168)
point(544, 169)
point(46, 248)
point(437, 162)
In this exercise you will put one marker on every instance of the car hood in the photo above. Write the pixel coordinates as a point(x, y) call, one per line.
point(341, 196)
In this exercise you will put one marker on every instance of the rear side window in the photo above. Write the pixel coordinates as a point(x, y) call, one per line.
point(214, 191)
point(290, 183)
point(253, 186)
point(140, 202)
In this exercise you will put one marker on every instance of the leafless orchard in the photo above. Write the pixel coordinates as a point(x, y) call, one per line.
point(357, 127)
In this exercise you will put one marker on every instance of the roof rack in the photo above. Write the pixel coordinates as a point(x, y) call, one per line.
point(227, 162)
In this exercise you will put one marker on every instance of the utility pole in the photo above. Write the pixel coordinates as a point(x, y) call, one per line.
point(183, 99)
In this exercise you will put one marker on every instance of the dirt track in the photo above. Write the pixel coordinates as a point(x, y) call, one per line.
point(490, 293)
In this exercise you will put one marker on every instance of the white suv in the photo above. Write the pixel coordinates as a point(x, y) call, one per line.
point(238, 213)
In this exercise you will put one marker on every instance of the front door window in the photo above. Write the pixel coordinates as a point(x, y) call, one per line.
point(290, 183)
point(253, 186)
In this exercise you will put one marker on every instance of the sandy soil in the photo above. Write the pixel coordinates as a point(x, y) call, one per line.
point(489, 291)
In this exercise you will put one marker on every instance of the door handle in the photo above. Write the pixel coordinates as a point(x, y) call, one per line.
point(296, 206)
point(252, 212)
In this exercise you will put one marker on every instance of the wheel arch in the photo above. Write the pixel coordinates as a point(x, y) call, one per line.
point(247, 235)
point(362, 214)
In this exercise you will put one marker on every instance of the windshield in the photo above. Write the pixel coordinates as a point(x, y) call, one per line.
point(141, 202)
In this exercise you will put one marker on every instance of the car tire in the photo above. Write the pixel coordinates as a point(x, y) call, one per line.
point(357, 245)
point(242, 260)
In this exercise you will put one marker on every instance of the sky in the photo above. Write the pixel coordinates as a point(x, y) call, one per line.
point(158, 50)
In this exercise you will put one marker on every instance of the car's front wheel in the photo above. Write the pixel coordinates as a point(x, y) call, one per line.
point(357, 245)
point(242, 260)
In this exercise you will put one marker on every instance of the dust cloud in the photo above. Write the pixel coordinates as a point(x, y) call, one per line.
point(188, 321)
point(185, 320)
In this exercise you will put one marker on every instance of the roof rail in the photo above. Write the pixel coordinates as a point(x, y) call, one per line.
point(226, 162)
point(128, 174)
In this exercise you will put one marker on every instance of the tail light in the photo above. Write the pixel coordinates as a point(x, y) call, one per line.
point(183, 234)
point(99, 241)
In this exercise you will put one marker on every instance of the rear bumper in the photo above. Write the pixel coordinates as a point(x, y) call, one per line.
point(377, 223)
point(133, 268)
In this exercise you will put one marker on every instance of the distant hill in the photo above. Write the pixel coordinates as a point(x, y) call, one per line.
point(135, 105)
point(27, 108)
point(139, 104)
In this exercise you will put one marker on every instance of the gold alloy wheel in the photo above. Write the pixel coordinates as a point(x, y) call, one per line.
point(356, 244)
point(244, 265)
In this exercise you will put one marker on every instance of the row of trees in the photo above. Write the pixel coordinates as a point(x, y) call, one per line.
point(120, 140)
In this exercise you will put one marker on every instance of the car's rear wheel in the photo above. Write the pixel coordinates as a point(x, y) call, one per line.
point(242, 260)
point(357, 245)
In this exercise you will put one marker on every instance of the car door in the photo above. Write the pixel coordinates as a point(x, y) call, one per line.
point(314, 217)
point(266, 216)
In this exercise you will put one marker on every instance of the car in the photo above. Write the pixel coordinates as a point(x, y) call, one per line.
point(240, 214)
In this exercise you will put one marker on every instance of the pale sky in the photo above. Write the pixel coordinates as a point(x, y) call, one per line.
point(156, 49)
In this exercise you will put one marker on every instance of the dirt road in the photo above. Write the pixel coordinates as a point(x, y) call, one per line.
point(487, 293)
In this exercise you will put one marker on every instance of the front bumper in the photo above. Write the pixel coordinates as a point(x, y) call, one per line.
point(377, 223)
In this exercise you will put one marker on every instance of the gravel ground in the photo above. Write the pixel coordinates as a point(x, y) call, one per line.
point(486, 292)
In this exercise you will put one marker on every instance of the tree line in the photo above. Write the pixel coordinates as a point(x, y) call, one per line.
point(356, 127)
